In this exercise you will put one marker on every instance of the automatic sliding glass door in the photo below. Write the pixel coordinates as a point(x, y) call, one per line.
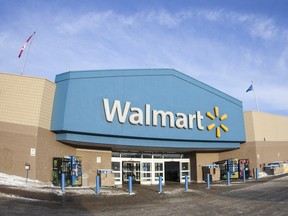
point(146, 173)
point(117, 170)
point(184, 170)
point(158, 171)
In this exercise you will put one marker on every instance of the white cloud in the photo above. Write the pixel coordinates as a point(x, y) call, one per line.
point(211, 15)
point(166, 18)
point(74, 24)
point(263, 28)
point(3, 38)
point(218, 47)
point(257, 26)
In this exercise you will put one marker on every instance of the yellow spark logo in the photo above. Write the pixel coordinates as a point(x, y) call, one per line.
point(222, 118)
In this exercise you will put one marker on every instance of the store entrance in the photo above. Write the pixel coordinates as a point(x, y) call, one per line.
point(172, 171)
point(146, 168)
point(131, 169)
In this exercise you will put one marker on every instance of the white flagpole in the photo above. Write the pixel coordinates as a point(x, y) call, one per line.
point(256, 100)
point(27, 55)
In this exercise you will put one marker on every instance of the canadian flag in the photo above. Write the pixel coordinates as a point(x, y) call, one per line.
point(24, 45)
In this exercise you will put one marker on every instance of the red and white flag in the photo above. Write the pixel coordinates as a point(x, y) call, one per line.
point(23, 47)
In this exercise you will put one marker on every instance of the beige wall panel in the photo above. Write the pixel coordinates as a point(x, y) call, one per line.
point(21, 99)
point(15, 144)
point(203, 159)
point(268, 127)
point(268, 152)
point(47, 105)
point(47, 148)
point(249, 126)
point(90, 165)
point(246, 151)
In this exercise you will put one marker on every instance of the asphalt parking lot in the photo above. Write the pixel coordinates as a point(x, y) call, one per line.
point(268, 196)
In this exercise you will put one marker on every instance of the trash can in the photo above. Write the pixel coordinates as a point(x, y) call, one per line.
point(212, 170)
point(106, 177)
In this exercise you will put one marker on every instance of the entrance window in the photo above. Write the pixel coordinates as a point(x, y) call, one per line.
point(172, 156)
point(147, 155)
point(115, 154)
point(184, 166)
point(158, 156)
point(146, 167)
point(116, 167)
point(158, 166)
point(131, 155)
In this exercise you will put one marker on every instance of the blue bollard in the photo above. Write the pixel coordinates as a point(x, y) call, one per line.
point(160, 185)
point(186, 183)
point(63, 182)
point(228, 178)
point(244, 176)
point(97, 185)
point(208, 181)
point(256, 173)
point(130, 185)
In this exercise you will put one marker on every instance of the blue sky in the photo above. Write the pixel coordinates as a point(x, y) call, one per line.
point(223, 43)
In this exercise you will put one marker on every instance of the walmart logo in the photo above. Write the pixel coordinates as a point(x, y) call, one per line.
point(213, 125)
point(146, 116)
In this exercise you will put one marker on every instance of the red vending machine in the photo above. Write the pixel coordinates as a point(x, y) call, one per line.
point(244, 165)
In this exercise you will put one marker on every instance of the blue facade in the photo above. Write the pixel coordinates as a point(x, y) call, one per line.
point(128, 109)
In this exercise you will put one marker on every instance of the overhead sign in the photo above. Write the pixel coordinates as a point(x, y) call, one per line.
point(149, 108)
point(148, 117)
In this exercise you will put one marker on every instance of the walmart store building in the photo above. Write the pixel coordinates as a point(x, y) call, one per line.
point(150, 121)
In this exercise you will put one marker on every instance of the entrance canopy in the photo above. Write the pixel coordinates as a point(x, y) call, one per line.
point(146, 110)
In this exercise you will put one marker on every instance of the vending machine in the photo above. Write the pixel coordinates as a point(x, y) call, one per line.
point(244, 165)
point(76, 171)
point(61, 165)
point(233, 167)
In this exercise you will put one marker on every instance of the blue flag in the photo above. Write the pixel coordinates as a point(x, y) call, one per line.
point(250, 88)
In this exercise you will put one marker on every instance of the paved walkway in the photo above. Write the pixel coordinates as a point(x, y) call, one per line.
point(268, 196)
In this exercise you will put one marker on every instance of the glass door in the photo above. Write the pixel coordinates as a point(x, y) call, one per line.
point(131, 169)
point(159, 171)
point(137, 171)
point(146, 173)
point(117, 171)
point(184, 170)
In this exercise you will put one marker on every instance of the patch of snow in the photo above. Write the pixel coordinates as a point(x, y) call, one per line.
point(18, 197)
point(13, 180)
point(38, 186)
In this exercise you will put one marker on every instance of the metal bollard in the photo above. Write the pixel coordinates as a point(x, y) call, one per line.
point(186, 183)
point(244, 176)
point(97, 185)
point(256, 173)
point(130, 185)
point(160, 185)
point(63, 182)
point(228, 178)
point(208, 181)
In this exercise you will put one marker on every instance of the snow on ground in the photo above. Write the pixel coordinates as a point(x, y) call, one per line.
point(35, 185)
point(31, 185)
point(18, 197)
point(13, 180)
